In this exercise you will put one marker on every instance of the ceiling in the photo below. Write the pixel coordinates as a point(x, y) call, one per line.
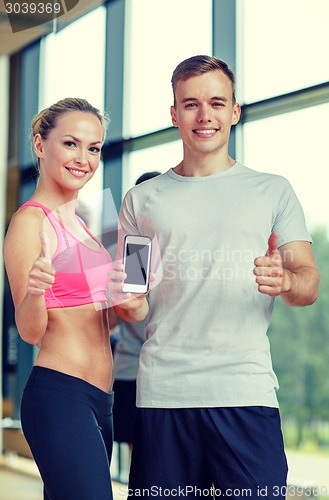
point(12, 42)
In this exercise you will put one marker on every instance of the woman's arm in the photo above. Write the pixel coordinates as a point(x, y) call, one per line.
point(29, 272)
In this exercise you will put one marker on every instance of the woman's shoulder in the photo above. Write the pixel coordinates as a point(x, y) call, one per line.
point(26, 222)
point(28, 215)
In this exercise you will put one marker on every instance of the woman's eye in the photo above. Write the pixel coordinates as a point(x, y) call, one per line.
point(94, 149)
point(69, 143)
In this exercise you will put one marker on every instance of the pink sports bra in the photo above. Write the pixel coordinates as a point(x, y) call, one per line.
point(80, 271)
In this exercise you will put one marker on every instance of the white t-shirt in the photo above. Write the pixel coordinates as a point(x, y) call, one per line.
point(206, 329)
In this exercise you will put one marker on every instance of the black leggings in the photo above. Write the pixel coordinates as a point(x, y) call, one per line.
point(68, 425)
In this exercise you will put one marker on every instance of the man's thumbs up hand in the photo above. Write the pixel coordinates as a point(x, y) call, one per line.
point(269, 269)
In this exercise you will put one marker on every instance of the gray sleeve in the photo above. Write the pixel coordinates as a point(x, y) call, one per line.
point(289, 221)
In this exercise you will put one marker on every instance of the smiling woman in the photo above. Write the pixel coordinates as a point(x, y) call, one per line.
point(74, 144)
point(57, 272)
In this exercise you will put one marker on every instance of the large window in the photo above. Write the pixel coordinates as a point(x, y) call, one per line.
point(73, 61)
point(285, 45)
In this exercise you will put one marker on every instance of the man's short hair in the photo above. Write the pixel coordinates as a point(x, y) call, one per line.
point(198, 65)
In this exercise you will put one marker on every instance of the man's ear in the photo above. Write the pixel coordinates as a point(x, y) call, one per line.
point(173, 116)
point(236, 113)
point(38, 145)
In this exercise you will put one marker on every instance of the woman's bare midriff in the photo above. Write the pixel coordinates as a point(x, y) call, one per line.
point(77, 343)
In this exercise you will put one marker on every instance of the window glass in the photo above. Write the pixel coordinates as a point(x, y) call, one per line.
point(73, 61)
point(160, 158)
point(159, 35)
point(73, 65)
point(284, 45)
point(295, 145)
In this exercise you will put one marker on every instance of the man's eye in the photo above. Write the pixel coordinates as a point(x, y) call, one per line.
point(190, 105)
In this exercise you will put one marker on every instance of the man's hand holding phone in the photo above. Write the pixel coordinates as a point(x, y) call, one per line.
point(117, 277)
point(130, 278)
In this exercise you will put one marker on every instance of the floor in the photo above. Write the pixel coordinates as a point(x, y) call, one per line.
point(20, 480)
point(17, 486)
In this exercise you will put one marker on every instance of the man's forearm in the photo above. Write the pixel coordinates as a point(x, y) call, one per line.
point(301, 286)
point(132, 314)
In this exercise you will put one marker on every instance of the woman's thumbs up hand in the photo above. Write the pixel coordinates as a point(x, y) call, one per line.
point(42, 275)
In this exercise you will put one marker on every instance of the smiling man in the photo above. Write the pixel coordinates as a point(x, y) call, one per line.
point(204, 110)
point(230, 239)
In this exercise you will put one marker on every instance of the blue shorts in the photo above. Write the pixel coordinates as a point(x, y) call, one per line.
point(68, 425)
point(124, 410)
point(208, 452)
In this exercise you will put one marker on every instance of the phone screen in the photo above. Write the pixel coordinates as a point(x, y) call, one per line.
point(136, 263)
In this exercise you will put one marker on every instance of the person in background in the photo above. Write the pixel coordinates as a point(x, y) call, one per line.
point(58, 274)
point(130, 338)
point(230, 239)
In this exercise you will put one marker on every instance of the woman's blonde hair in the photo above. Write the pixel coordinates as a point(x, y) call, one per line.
point(46, 120)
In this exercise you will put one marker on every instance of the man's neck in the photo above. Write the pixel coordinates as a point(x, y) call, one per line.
point(203, 167)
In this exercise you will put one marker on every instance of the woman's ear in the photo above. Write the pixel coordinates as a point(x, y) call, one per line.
point(38, 145)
